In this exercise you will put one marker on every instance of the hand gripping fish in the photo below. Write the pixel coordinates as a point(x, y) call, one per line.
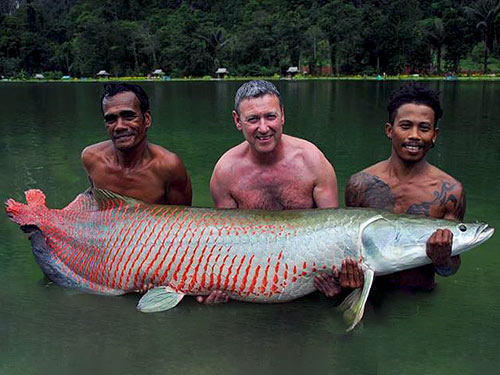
point(109, 244)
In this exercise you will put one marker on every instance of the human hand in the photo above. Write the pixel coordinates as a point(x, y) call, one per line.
point(215, 297)
point(438, 248)
point(350, 277)
point(351, 274)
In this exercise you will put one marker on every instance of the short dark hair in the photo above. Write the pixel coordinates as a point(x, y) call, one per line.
point(111, 89)
point(415, 93)
point(255, 89)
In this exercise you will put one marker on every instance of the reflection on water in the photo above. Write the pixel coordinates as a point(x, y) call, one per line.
point(44, 328)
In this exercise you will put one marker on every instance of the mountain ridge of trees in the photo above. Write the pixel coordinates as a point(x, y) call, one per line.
point(254, 37)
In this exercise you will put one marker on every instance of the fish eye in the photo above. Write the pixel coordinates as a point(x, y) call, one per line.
point(462, 227)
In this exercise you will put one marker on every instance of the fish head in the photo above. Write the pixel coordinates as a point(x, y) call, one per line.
point(395, 243)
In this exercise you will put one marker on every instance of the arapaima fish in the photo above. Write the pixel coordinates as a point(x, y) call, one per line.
point(108, 244)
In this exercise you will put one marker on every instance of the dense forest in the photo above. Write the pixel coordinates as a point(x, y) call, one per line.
point(249, 38)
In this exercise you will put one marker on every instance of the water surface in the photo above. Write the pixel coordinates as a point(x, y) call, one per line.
point(47, 329)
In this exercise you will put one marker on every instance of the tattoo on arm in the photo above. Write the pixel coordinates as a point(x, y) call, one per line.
point(366, 190)
point(441, 199)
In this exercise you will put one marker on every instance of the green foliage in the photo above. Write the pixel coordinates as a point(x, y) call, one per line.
point(188, 38)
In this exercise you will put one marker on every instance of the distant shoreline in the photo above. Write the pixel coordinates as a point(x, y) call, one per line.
point(491, 77)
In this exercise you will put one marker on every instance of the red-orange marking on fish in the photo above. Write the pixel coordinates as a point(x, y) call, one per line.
point(117, 238)
point(162, 246)
point(159, 267)
point(263, 284)
point(235, 278)
point(123, 252)
point(211, 284)
point(203, 276)
point(194, 279)
point(119, 251)
point(229, 271)
point(132, 267)
point(245, 276)
point(219, 276)
point(133, 250)
point(274, 287)
point(144, 275)
point(165, 274)
point(191, 260)
point(254, 280)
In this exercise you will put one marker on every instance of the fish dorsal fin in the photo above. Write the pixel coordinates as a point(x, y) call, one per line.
point(103, 197)
point(97, 199)
point(35, 197)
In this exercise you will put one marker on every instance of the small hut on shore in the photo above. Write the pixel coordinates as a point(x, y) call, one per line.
point(222, 73)
point(292, 71)
point(158, 74)
point(39, 76)
point(103, 74)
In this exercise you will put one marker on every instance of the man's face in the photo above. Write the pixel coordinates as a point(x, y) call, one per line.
point(125, 123)
point(413, 132)
point(261, 122)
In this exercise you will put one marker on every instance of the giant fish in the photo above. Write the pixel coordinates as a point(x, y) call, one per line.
point(108, 244)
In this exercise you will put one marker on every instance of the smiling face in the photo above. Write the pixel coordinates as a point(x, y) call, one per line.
point(125, 123)
point(261, 121)
point(413, 132)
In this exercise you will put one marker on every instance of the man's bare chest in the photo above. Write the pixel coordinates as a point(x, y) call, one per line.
point(143, 185)
point(417, 198)
point(276, 192)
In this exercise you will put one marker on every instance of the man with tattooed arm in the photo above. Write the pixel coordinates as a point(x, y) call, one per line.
point(407, 183)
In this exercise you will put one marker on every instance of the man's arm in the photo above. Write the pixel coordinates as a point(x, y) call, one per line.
point(87, 161)
point(179, 191)
point(219, 187)
point(440, 243)
point(325, 192)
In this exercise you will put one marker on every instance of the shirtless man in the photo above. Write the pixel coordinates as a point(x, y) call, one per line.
point(407, 183)
point(127, 163)
point(274, 171)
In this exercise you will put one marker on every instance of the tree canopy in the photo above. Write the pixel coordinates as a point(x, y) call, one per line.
point(251, 37)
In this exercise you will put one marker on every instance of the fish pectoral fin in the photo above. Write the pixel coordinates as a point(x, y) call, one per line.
point(159, 299)
point(353, 305)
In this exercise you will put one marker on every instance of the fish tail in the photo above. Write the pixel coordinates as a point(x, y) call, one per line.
point(26, 214)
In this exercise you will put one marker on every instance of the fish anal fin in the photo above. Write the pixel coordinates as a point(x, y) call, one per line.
point(354, 304)
point(159, 299)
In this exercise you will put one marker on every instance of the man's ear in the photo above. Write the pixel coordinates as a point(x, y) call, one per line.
point(282, 116)
point(436, 132)
point(148, 119)
point(237, 121)
point(388, 130)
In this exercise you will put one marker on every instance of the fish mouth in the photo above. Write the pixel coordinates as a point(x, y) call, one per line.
point(483, 233)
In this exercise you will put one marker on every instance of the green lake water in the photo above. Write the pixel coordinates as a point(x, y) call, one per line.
point(47, 329)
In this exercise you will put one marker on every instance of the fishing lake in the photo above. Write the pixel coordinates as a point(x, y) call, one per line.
point(48, 329)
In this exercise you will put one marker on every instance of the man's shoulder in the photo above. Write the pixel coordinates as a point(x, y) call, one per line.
point(306, 150)
point(93, 153)
point(368, 188)
point(439, 174)
point(235, 154)
point(301, 144)
point(97, 148)
point(371, 175)
point(165, 160)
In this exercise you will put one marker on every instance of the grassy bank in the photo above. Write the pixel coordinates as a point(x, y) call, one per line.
point(473, 77)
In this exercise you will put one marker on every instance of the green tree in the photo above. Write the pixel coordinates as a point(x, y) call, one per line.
point(485, 13)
